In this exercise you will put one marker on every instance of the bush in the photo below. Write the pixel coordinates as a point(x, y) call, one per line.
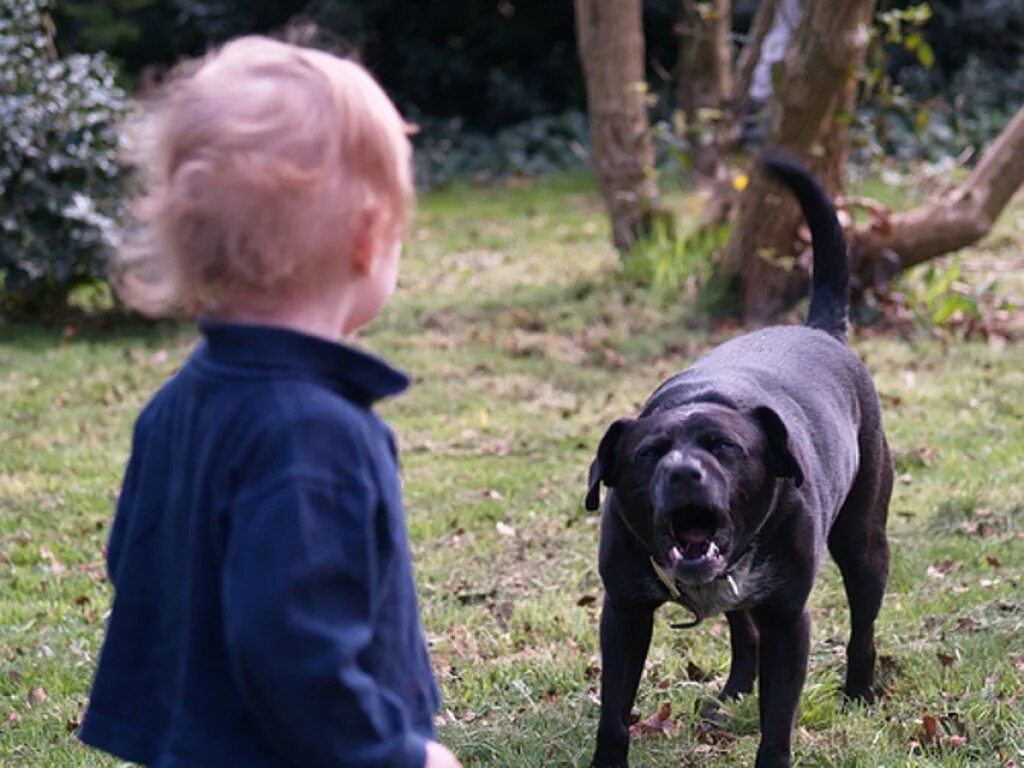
point(445, 150)
point(59, 170)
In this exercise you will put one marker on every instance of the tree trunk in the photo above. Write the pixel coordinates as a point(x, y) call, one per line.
point(609, 35)
point(704, 77)
point(951, 221)
point(764, 16)
point(816, 85)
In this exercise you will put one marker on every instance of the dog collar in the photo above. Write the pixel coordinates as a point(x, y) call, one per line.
point(673, 588)
point(664, 578)
point(679, 597)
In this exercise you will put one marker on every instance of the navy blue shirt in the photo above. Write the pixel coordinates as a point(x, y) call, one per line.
point(265, 613)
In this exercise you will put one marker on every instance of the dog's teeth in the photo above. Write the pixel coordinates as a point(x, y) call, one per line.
point(674, 555)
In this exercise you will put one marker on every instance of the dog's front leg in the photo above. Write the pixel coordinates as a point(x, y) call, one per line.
point(785, 644)
point(625, 639)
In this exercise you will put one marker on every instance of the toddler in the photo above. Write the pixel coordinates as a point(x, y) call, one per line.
point(265, 613)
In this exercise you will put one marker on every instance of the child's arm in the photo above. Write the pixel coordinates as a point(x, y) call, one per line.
point(299, 602)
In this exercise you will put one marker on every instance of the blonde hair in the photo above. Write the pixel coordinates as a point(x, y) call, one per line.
point(255, 165)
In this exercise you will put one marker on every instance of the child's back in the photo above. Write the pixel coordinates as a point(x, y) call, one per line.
point(265, 602)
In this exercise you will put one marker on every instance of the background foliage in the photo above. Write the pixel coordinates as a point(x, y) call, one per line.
point(59, 169)
point(494, 85)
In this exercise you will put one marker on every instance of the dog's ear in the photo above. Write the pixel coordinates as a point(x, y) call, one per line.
point(603, 467)
point(780, 458)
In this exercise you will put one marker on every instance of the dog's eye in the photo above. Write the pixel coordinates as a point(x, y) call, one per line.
point(717, 444)
point(651, 451)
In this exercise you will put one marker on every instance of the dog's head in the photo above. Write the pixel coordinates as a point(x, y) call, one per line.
point(690, 481)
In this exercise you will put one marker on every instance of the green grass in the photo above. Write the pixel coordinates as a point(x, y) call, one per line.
point(525, 344)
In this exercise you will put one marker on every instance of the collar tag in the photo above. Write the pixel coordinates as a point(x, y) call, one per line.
point(732, 585)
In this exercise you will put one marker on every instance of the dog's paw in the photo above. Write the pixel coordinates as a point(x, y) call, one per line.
point(858, 695)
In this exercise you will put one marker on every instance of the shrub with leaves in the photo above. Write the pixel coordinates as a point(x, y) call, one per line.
point(445, 150)
point(59, 168)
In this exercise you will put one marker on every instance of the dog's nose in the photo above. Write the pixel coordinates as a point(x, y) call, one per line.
point(687, 472)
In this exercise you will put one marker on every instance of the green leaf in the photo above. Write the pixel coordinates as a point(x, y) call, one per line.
point(950, 304)
point(926, 55)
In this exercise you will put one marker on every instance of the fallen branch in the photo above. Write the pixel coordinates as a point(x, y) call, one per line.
point(956, 219)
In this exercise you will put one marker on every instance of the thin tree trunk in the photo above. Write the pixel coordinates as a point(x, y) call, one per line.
point(819, 72)
point(704, 77)
point(609, 35)
point(951, 221)
point(763, 18)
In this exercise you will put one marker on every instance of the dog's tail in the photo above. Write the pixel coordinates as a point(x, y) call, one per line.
point(830, 284)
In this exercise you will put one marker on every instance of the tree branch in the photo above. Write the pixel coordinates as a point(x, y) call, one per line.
point(955, 220)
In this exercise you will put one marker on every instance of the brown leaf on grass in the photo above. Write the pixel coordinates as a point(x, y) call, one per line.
point(941, 568)
point(35, 696)
point(493, 495)
point(12, 717)
point(660, 723)
point(613, 359)
point(586, 600)
point(993, 561)
point(967, 623)
point(945, 659)
point(929, 732)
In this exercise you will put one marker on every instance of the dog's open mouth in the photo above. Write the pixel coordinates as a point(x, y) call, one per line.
point(692, 547)
point(695, 539)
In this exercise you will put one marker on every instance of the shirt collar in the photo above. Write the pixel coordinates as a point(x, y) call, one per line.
point(361, 376)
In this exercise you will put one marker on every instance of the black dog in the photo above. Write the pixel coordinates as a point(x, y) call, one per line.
point(727, 488)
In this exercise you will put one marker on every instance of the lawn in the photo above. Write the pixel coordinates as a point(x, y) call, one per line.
point(524, 342)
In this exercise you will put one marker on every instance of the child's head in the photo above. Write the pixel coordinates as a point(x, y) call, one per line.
point(269, 173)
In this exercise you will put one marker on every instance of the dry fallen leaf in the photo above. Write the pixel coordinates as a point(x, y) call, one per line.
point(36, 695)
point(940, 569)
point(504, 529)
point(660, 723)
point(929, 729)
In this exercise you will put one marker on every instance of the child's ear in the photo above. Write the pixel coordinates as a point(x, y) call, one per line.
point(365, 243)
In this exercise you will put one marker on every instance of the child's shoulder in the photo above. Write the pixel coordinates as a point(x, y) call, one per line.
point(286, 412)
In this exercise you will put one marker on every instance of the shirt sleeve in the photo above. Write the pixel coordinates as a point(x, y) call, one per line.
point(299, 601)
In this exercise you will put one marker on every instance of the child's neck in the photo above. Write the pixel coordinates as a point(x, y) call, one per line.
point(324, 318)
